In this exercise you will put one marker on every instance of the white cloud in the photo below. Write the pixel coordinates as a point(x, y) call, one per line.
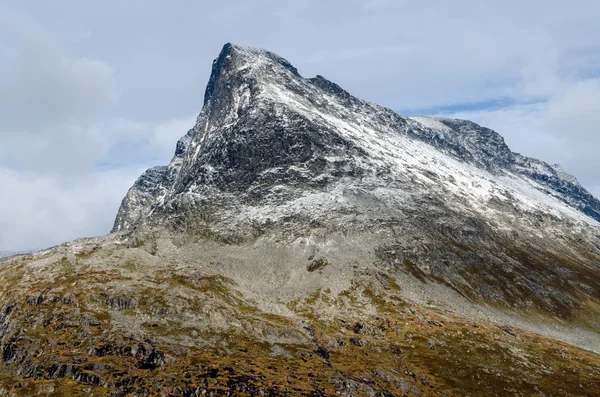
point(45, 206)
point(453, 52)
point(48, 99)
point(41, 74)
point(165, 134)
point(54, 130)
point(42, 210)
point(127, 142)
point(573, 115)
point(575, 110)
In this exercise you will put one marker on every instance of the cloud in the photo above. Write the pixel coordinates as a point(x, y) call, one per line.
point(41, 74)
point(127, 142)
point(42, 207)
point(65, 163)
point(454, 52)
point(48, 99)
point(37, 211)
point(573, 116)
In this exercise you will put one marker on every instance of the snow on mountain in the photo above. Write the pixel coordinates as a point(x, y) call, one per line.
point(274, 155)
point(302, 233)
point(325, 135)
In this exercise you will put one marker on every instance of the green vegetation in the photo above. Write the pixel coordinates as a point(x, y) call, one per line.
point(88, 332)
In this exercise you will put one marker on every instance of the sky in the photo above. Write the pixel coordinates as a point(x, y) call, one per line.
point(93, 92)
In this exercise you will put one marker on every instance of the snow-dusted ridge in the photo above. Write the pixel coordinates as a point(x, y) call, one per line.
point(469, 164)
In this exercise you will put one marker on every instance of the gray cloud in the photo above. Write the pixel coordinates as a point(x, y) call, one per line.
point(91, 92)
point(48, 99)
point(39, 210)
point(53, 132)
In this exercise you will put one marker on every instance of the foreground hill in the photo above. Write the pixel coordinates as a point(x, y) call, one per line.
point(305, 242)
point(119, 317)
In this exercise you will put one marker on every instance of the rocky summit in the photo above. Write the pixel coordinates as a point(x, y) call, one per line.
point(304, 242)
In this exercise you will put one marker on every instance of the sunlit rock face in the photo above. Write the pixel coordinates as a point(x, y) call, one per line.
point(267, 137)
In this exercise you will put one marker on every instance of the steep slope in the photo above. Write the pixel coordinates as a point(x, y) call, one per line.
point(275, 154)
point(487, 149)
point(265, 131)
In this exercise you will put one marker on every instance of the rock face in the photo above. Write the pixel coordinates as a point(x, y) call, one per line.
point(276, 154)
point(268, 137)
point(149, 189)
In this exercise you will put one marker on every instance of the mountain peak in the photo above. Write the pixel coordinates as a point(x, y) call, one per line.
point(238, 60)
point(302, 233)
point(266, 135)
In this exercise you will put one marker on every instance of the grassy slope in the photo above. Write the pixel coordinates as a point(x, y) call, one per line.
point(90, 331)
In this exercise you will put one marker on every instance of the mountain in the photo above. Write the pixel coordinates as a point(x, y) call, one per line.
point(266, 132)
point(275, 154)
point(305, 242)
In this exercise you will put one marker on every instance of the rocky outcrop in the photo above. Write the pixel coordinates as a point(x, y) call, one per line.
point(149, 190)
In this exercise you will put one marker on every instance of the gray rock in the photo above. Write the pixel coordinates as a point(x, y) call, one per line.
point(277, 156)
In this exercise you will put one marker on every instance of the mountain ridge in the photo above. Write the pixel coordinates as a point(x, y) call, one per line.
point(461, 139)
